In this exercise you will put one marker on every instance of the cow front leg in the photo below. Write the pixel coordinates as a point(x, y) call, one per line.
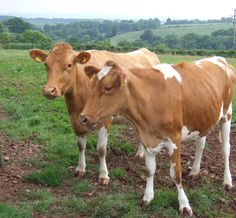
point(200, 145)
point(102, 148)
point(176, 176)
point(80, 169)
point(150, 162)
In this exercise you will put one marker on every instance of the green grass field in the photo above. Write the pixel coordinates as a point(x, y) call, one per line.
point(31, 116)
point(179, 30)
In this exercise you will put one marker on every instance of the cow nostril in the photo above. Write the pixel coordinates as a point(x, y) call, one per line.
point(53, 90)
point(83, 119)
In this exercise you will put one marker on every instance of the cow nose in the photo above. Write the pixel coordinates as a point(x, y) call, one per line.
point(83, 119)
point(49, 90)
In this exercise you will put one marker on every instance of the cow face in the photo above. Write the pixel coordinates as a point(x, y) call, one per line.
point(108, 93)
point(61, 68)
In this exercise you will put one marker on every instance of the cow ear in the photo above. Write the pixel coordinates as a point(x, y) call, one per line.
point(91, 71)
point(38, 55)
point(83, 57)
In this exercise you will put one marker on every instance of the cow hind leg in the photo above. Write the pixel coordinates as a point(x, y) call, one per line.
point(200, 145)
point(80, 169)
point(225, 133)
point(140, 152)
point(101, 148)
point(176, 176)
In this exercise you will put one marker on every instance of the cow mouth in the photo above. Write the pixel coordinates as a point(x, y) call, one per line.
point(50, 97)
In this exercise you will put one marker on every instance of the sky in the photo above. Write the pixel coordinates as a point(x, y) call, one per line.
point(119, 9)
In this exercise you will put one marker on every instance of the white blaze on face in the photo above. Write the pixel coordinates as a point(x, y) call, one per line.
point(168, 71)
point(187, 135)
point(104, 71)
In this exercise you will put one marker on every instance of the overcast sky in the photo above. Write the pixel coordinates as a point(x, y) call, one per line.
point(119, 9)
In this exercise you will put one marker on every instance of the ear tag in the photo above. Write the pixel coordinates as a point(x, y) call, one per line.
point(38, 59)
point(92, 78)
point(84, 60)
point(124, 82)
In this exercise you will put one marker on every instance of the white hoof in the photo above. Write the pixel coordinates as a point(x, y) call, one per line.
point(148, 197)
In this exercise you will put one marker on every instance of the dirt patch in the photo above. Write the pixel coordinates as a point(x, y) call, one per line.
point(14, 167)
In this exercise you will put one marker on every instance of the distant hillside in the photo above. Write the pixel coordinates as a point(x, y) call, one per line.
point(179, 30)
point(40, 22)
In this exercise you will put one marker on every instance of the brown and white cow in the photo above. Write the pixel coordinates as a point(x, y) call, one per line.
point(66, 76)
point(168, 104)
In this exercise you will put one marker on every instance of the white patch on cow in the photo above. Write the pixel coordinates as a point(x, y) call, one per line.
point(150, 162)
point(165, 143)
point(221, 112)
point(221, 62)
point(104, 71)
point(183, 200)
point(156, 150)
point(136, 52)
point(171, 147)
point(172, 170)
point(168, 71)
point(187, 135)
point(102, 144)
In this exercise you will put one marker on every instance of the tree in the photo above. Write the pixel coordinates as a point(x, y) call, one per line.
point(6, 38)
point(172, 41)
point(35, 37)
point(16, 25)
point(147, 35)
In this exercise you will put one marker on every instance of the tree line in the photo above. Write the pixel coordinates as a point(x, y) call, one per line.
point(86, 34)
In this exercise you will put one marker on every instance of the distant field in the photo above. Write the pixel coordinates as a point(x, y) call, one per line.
point(179, 30)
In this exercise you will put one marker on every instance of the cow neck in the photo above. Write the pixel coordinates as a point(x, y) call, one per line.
point(77, 97)
point(137, 102)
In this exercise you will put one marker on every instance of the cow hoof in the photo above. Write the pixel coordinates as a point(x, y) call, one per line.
point(80, 173)
point(147, 198)
point(144, 203)
point(104, 181)
point(186, 212)
point(228, 188)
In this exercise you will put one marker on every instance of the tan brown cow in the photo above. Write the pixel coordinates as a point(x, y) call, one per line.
point(168, 104)
point(66, 77)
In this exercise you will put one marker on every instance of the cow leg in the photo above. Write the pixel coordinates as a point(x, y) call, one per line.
point(225, 132)
point(150, 161)
point(176, 176)
point(80, 169)
point(140, 152)
point(200, 145)
point(101, 148)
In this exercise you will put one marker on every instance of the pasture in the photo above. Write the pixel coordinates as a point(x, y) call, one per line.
point(179, 30)
point(38, 154)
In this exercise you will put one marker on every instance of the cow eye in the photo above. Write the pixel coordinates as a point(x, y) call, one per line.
point(69, 65)
point(107, 89)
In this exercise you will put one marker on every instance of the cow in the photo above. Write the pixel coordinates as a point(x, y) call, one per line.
point(168, 104)
point(66, 77)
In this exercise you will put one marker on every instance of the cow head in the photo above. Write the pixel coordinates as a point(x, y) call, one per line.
point(109, 88)
point(61, 68)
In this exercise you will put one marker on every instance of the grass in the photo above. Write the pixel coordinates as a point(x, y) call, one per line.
point(33, 117)
point(179, 30)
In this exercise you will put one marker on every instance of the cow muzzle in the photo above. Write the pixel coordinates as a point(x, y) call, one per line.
point(86, 121)
point(50, 92)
